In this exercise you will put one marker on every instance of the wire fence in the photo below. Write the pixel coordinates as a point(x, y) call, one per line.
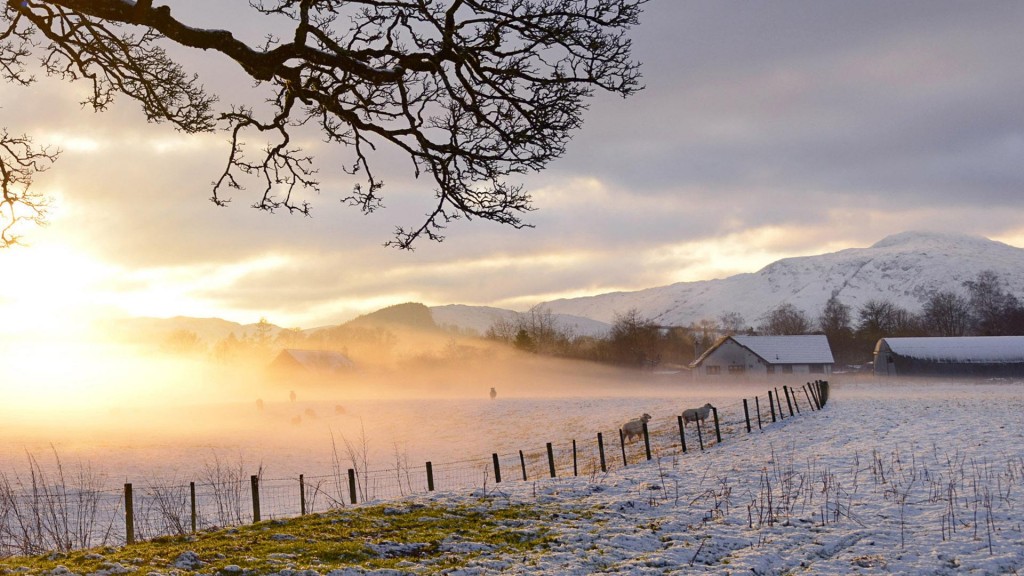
point(42, 512)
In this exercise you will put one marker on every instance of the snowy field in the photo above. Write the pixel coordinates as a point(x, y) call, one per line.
point(888, 479)
point(891, 478)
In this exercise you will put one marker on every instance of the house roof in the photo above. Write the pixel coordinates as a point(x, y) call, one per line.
point(802, 349)
point(315, 360)
point(964, 349)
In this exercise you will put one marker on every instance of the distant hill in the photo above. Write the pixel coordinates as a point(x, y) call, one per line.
point(904, 269)
point(479, 319)
point(409, 315)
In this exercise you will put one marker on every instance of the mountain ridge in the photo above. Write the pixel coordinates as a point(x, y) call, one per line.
point(904, 268)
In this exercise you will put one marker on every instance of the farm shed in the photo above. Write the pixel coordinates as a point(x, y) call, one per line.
point(747, 357)
point(980, 356)
point(294, 362)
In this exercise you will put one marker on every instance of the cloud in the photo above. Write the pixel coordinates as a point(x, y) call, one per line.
point(766, 130)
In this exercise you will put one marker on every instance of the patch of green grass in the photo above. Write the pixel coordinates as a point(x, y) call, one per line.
point(373, 537)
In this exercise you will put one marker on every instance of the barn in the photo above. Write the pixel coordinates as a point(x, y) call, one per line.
point(970, 356)
point(294, 362)
point(747, 357)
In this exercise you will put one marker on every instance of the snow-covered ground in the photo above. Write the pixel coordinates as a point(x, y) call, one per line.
point(890, 478)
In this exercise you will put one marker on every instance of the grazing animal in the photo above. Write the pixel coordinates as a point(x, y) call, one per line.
point(494, 393)
point(635, 427)
point(696, 414)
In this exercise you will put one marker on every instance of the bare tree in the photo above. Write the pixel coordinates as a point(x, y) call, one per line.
point(995, 311)
point(947, 313)
point(785, 320)
point(470, 91)
point(19, 203)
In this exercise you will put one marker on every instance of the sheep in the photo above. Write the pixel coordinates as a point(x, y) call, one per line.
point(494, 393)
point(635, 427)
point(697, 415)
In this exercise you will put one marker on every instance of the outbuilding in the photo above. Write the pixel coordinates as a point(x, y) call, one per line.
point(292, 362)
point(971, 356)
point(746, 357)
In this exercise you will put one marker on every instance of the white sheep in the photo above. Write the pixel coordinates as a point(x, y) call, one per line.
point(696, 414)
point(635, 427)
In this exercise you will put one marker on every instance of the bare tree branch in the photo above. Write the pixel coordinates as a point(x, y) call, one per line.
point(473, 92)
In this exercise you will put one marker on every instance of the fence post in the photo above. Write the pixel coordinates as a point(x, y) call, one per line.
point(682, 435)
point(352, 485)
point(746, 414)
point(302, 495)
point(796, 402)
point(808, 395)
point(700, 436)
point(522, 464)
point(129, 515)
point(575, 469)
point(757, 408)
point(813, 387)
point(254, 481)
point(192, 501)
point(551, 460)
point(497, 468)
point(600, 449)
point(622, 444)
point(430, 476)
point(824, 392)
point(771, 402)
point(788, 401)
point(647, 440)
point(718, 431)
point(778, 401)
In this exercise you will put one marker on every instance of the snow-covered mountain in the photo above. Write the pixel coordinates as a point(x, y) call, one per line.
point(904, 269)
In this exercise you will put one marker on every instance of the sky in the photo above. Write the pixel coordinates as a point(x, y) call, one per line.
point(765, 130)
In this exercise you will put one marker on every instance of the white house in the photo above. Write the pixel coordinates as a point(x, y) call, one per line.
point(746, 357)
point(978, 356)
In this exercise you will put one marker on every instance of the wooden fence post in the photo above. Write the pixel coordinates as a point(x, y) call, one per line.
point(746, 414)
point(771, 402)
point(788, 401)
point(352, 485)
point(808, 395)
point(718, 431)
point(192, 501)
point(600, 449)
point(497, 468)
point(782, 415)
point(129, 515)
point(700, 436)
point(575, 469)
point(647, 440)
point(430, 476)
point(813, 387)
point(622, 444)
point(522, 462)
point(757, 408)
point(254, 481)
point(302, 495)
point(682, 435)
point(551, 460)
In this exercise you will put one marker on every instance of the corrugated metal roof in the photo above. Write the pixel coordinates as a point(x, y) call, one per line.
point(965, 349)
point(803, 349)
point(319, 360)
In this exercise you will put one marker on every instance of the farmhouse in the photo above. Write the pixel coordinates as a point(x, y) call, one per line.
point(294, 362)
point(973, 356)
point(747, 357)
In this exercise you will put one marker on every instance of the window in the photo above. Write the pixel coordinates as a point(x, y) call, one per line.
point(714, 370)
point(787, 369)
point(736, 370)
point(817, 368)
